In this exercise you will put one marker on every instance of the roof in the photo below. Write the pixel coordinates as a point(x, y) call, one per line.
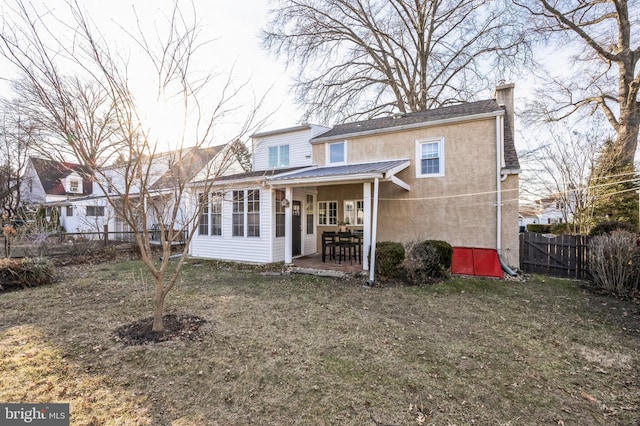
point(347, 172)
point(192, 162)
point(51, 173)
point(469, 110)
point(253, 175)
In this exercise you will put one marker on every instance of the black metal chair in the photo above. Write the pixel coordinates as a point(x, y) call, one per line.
point(329, 244)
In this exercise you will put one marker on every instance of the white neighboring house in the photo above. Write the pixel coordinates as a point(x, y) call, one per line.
point(89, 210)
point(551, 210)
point(53, 184)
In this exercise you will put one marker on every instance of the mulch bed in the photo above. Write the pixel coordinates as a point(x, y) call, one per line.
point(176, 327)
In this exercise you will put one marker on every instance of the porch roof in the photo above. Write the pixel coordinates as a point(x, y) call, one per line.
point(347, 173)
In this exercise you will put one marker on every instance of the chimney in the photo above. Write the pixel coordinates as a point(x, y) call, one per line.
point(504, 97)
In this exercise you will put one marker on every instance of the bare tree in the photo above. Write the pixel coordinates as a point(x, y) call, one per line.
point(18, 135)
point(605, 71)
point(146, 186)
point(365, 58)
point(563, 169)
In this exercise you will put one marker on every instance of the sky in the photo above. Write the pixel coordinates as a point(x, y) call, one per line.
point(234, 50)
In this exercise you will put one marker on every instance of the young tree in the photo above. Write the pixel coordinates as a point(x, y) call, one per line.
point(605, 70)
point(360, 59)
point(146, 187)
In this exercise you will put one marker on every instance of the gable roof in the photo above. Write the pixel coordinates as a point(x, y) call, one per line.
point(51, 173)
point(471, 110)
point(193, 161)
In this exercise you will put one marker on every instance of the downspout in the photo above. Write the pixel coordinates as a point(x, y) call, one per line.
point(500, 178)
point(374, 232)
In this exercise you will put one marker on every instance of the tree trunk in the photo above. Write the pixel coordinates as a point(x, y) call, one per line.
point(158, 306)
point(627, 136)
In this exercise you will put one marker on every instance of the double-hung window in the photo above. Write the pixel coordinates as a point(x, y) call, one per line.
point(278, 156)
point(246, 213)
point(216, 214)
point(430, 157)
point(203, 225)
point(95, 211)
point(280, 213)
point(337, 153)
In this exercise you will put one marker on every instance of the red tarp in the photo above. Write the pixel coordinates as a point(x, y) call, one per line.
point(476, 261)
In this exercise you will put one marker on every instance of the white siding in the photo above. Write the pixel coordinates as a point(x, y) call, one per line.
point(241, 249)
point(299, 146)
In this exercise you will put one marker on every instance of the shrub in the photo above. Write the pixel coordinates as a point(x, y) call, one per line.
point(539, 228)
point(23, 273)
point(426, 260)
point(610, 226)
point(614, 262)
point(389, 256)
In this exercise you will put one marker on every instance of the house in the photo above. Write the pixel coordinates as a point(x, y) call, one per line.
point(89, 210)
point(449, 173)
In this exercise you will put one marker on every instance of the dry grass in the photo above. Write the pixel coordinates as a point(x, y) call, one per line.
point(308, 350)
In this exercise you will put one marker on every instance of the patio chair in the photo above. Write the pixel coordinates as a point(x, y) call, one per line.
point(329, 244)
point(346, 247)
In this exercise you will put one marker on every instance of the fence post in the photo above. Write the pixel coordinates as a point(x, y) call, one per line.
point(106, 234)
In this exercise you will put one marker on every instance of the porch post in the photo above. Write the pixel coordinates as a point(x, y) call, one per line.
point(374, 230)
point(288, 234)
point(366, 231)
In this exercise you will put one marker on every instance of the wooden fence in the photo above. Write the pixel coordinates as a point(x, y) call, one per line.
point(557, 255)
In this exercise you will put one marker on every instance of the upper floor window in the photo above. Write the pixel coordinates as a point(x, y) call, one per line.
point(74, 186)
point(278, 156)
point(337, 153)
point(430, 157)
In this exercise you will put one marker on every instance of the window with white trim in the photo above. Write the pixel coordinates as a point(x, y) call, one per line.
point(280, 212)
point(278, 156)
point(327, 213)
point(203, 225)
point(74, 186)
point(354, 212)
point(246, 213)
point(309, 213)
point(430, 157)
point(216, 213)
point(337, 153)
point(95, 211)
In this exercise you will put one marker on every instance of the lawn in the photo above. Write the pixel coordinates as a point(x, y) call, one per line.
point(299, 349)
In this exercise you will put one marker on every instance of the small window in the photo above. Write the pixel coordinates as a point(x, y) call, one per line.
point(69, 211)
point(74, 186)
point(430, 158)
point(337, 153)
point(95, 211)
point(278, 156)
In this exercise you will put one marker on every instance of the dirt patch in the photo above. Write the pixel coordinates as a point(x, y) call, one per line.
point(176, 327)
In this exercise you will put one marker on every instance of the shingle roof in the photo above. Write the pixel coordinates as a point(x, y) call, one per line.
point(192, 162)
point(415, 119)
point(51, 173)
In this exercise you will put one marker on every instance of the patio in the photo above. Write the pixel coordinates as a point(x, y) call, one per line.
point(314, 261)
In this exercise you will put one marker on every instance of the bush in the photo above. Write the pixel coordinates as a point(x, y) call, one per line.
point(389, 256)
point(539, 228)
point(610, 226)
point(23, 273)
point(426, 260)
point(614, 262)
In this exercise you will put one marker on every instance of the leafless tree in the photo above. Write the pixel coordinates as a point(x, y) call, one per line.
point(365, 58)
point(18, 135)
point(146, 186)
point(605, 71)
point(563, 169)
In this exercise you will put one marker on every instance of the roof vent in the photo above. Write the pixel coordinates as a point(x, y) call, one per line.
point(399, 115)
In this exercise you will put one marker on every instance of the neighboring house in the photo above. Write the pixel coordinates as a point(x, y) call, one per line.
point(556, 208)
point(449, 174)
point(51, 183)
point(89, 210)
